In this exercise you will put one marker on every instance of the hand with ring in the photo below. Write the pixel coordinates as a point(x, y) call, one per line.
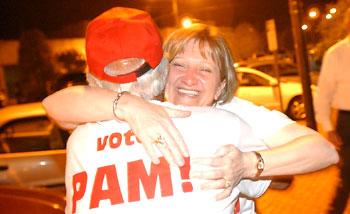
point(152, 125)
point(228, 171)
point(160, 141)
point(227, 183)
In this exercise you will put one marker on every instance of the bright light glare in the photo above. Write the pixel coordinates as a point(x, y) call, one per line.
point(42, 163)
point(329, 16)
point(304, 27)
point(312, 14)
point(56, 206)
point(186, 23)
point(333, 10)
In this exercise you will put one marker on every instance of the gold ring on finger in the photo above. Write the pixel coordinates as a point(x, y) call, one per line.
point(227, 183)
point(160, 140)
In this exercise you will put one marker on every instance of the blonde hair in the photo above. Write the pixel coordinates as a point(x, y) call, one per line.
point(219, 52)
point(147, 86)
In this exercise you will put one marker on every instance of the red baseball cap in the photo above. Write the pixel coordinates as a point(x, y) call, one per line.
point(121, 33)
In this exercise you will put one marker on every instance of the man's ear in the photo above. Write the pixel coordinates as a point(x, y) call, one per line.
point(220, 89)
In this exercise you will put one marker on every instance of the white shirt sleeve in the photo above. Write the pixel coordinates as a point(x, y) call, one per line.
point(253, 189)
point(325, 90)
point(263, 121)
point(247, 143)
point(333, 83)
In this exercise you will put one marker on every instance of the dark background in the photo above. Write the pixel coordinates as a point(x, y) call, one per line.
point(51, 16)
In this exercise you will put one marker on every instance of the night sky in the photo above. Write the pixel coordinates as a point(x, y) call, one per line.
point(51, 15)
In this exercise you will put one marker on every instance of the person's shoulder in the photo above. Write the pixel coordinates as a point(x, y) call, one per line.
point(251, 112)
point(212, 115)
point(208, 110)
point(167, 104)
point(237, 104)
point(338, 47)
point(88, 128)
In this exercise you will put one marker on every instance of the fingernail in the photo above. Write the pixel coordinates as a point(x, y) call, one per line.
point(181, 162)
point(186, 154)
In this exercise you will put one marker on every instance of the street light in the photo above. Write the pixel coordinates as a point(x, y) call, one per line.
point(329, 16)
point(314, 13)
point(186, 22)
point(175, 12)
point(333, 10)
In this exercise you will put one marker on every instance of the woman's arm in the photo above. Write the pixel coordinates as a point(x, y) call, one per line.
point(294, 149)
point(80, 104)
point(72, 106)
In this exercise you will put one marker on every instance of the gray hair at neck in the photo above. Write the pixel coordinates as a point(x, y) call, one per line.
point(147, 86)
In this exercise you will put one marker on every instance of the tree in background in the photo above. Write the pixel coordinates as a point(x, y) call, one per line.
point(74, 30)
point(246, 41)
point(70, 61)
point(36, 67)
point(331, 30)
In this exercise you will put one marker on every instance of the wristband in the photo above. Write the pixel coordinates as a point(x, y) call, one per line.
point(259, 164)
point(115, 103)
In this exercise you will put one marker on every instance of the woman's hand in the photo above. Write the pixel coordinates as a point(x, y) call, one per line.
point(150, 121)
point(230, 165)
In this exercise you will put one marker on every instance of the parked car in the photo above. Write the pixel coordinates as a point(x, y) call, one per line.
point(32, 148)
point(18, 199)
point(262, 89)
point(287, 69)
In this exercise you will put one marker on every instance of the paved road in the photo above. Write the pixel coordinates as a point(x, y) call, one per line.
point(308, 194)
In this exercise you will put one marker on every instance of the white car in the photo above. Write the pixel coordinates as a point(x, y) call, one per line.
point(287, 68)
point(262, 89)
point(32, 148)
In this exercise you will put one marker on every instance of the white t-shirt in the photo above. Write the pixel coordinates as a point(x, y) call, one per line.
point(263, 121)
point(108, 171)
point(333, 83)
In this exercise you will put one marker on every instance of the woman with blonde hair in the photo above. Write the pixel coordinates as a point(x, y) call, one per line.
point(201, 73)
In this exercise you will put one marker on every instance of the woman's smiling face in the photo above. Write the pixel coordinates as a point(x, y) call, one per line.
point(193, 80)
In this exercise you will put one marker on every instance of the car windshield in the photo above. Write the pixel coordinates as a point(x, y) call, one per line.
point(284, 69)
point(31, 134)
point(249, 79)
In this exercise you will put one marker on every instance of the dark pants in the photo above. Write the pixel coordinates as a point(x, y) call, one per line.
point(343, 190)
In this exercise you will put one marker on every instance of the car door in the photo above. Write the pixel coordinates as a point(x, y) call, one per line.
point(32, 152)
point(258, 90)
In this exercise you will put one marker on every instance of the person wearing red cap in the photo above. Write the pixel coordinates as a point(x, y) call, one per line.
point(108, 170)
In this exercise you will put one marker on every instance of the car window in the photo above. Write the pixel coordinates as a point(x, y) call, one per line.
point(267, 69)
point(31, 134)
point(288, 69)
point(249, 79)
point(285, 69)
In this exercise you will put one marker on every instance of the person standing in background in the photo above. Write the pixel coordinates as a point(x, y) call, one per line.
point(333, 92)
